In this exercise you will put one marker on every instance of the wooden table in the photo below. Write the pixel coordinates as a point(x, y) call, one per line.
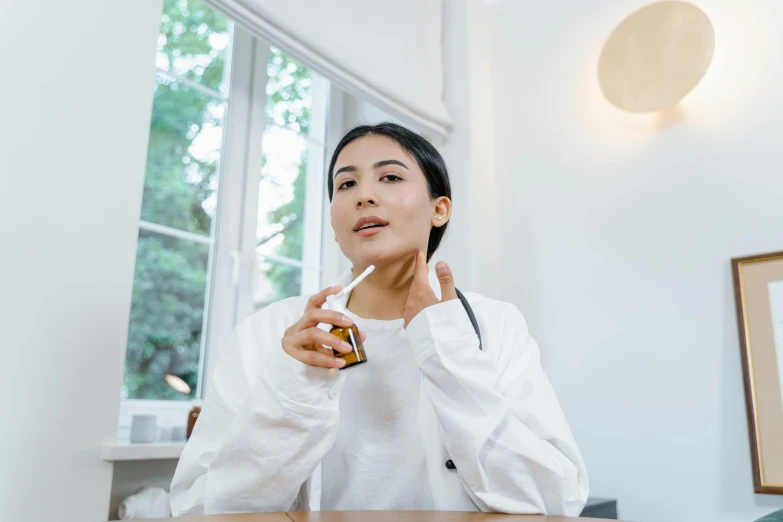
point(376, 516)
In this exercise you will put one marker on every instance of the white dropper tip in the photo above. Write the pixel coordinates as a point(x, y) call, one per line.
point(331, 300)
point(356, 281)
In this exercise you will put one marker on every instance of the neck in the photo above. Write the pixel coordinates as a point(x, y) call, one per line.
point(382, 295)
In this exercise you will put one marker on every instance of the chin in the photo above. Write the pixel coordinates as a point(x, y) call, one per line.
point(380, 255)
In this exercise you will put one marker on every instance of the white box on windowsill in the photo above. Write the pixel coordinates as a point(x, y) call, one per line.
point(172, 419)
point(171, 424)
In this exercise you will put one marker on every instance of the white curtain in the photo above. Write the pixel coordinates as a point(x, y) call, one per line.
point(387, 52)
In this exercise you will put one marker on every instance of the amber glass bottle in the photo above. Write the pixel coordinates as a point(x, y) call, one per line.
point(192, 418)
point(351, 336)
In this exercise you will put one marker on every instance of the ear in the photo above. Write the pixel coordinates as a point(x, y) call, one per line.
point(441, 211)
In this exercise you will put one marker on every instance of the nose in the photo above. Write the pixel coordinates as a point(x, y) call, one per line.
point(365, 198)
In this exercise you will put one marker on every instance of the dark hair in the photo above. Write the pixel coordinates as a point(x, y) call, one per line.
point(429, 159)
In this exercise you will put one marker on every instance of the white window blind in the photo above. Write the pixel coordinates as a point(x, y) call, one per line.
point(388, 53)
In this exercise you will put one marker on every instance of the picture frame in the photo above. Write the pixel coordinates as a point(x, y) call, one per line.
point(758, 292)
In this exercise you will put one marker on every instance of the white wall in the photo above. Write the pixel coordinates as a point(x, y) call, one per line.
point(77, 93)
point(472, 240)
point(618, 233)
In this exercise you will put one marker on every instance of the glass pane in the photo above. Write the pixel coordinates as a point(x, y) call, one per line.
point(281, 193)
point(275, 281)
point(164, 336)
point(289, 94)
point(193, 43)
point(180, 185)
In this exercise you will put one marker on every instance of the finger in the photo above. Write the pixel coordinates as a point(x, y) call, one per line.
point(318, 300)
point(318, 336)
point(314, 358)
point(324, 349)
point(363, 336)
point(314, 316)
point(420, 270)
point(446, 277)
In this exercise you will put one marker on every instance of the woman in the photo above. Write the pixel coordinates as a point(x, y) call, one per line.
point(435, 420)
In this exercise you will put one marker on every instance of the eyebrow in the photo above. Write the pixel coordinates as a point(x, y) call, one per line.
point(377, 165)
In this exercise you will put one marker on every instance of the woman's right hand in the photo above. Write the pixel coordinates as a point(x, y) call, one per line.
point(307, 343)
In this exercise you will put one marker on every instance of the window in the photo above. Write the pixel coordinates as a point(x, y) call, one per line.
point(176, 233)
point(232, 211)
point(290, 191)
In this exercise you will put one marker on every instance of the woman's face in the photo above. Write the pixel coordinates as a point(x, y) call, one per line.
point(381, 208)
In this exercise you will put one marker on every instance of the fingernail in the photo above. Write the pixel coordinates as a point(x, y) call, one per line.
point(442, 268)
point(347, 320)
point(347, 346)
point(340, 363)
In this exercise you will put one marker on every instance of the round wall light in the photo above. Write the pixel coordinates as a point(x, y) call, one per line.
point(656, 56)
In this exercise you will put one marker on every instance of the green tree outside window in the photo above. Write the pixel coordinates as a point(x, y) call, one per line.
point(180, 184)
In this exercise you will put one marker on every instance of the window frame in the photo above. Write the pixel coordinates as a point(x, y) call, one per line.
point(233, 239)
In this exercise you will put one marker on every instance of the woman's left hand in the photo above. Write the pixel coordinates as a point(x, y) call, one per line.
point(421, 295)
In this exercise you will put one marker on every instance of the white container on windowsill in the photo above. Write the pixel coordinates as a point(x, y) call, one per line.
point(172, 419)
point(170, 438)
point(144, 429)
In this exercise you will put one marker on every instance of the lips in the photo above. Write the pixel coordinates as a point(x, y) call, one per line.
point(369, 223)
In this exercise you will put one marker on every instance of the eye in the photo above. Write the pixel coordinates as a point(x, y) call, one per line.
point(392, 178)
point(346, 184)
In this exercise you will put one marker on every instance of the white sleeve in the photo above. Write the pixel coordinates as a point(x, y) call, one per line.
point(503, 426)
point(265, 425)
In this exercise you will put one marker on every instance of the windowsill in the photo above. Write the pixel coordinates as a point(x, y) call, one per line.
point(115, 451)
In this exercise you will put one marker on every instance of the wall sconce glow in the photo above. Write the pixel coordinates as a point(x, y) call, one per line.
point(178, 383)
point(656, 56)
